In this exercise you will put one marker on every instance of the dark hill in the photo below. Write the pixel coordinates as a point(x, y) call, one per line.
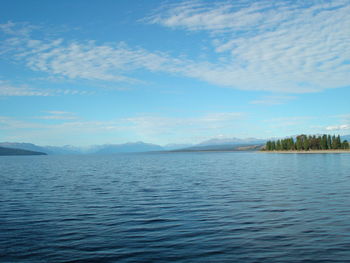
point(9, 151)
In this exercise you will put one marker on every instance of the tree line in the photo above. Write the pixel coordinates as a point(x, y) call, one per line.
point(305, 143)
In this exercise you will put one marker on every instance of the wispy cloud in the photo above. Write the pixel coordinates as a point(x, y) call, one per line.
point(87, 60)
point(338, 127)
point(273, 100)
point(216, 16)
point(279, 46)
point(150, 128)
point(173, 127)
point(57, 112)
point(292, 121)
point(340, 123)
point(58, 115)
point(6, 89)
point(13, 124)
point(17, 29)
point(9, 90)
point(274, 46)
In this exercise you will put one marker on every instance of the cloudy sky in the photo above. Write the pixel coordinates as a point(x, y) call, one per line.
point(93, 72)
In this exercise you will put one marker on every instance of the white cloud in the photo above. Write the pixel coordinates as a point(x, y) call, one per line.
point(57, 112)
point(215, 16)
point(292, 121)
point(342, 123)
point(9, 123)
point(338, 127)
point(9, 90)
point(58, 115)
point(269, 45)
point(221, 117)
point(274, 46)
point(150, 128)
point(273, 100)
point(88, 60)
point(17, 29)
point(66, 127)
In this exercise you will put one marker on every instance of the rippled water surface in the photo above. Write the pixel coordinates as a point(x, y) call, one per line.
point(181, 207)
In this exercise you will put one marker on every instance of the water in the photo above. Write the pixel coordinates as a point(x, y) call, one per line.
point(181, 207)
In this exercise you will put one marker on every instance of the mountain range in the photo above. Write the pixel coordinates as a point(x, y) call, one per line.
point(127, 147)
point(215, 144)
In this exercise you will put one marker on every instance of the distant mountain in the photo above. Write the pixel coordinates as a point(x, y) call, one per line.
point(98, 149)
point(126, 148)
point(231, 141)
point(45, 149)
point(10, 151)
point(170, 147)
point(25, 146)
point(67, 149)
point(222, 148)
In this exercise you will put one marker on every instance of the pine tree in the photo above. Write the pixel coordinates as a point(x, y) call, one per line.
point(324, 142)
point(329, 142)
point(273, 146)
point(268, 146)
point(299, 143)
point(291, 144)
point(345, 145)
point(306, 143)
point(338, 142)
point(278, 145)
point(334, 143)
point(318, 143)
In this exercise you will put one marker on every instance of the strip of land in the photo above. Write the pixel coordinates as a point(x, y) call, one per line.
point(310, 151)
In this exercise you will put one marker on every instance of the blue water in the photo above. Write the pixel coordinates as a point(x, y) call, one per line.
point(180, 207)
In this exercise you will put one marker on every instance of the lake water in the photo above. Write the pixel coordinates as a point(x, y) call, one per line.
point(180, 207)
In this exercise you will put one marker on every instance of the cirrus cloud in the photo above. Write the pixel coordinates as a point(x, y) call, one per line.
point(279, 46)
point(274, 46)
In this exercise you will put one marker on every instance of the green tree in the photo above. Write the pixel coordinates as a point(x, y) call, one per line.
point(312, 142)
point(324, 145)
point(291, 144)
point(284, 145)
point(338, 142)
point(345, 145)
point(299, 143)
point(273, 146)
point(318, 142)
point(329, 142)
point(268, 146)
point(334, 143)
point(278, 145)
point(306, 143)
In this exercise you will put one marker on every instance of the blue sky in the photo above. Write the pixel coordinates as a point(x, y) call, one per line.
point(89, 72)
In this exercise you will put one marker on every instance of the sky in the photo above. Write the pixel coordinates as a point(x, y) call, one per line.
point(83, 72)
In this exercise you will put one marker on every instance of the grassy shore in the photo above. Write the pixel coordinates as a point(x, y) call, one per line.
point(310, 151)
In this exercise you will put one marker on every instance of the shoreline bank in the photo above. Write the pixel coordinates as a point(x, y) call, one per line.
point(309, 152)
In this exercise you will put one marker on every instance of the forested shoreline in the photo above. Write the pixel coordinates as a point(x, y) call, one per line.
point(308, 143)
